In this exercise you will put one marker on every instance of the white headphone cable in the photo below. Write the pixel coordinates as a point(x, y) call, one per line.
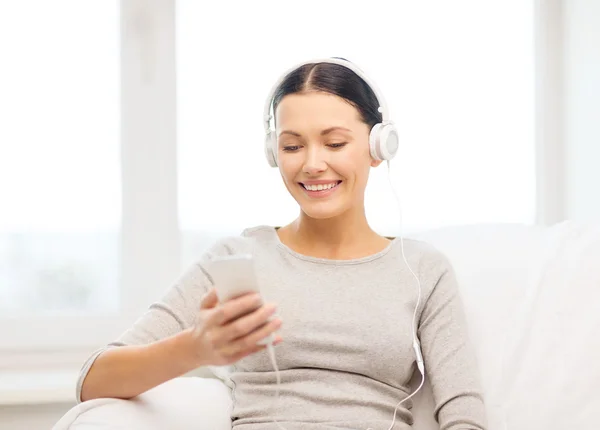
point(271, 351)
point(416, 346)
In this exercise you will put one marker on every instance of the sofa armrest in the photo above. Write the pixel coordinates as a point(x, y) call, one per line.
point(180, 404)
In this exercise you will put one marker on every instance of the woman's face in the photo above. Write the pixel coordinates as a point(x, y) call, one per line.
point(323, 153)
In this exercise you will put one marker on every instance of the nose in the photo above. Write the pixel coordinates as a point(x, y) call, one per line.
point(314, 162)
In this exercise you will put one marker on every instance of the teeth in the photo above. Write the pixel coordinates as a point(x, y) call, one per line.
point(320, 187)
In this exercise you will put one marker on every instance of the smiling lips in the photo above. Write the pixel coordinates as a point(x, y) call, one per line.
point(320, 188)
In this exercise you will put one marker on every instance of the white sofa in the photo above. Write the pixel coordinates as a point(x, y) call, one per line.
point(532, 296)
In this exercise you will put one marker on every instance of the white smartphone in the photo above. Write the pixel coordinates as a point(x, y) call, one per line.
point(233, 276)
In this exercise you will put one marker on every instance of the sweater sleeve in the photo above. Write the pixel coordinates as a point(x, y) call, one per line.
point(450, 362)
point(173, 313)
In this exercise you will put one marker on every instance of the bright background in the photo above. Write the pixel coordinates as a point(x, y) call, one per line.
point(131, 138)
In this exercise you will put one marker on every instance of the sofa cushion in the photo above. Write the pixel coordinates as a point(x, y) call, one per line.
point(494, 264)
point(552, 363)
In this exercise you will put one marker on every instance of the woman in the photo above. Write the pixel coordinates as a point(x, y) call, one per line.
point(345, 352)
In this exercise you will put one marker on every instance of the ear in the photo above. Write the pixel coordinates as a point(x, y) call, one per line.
point(375, 163)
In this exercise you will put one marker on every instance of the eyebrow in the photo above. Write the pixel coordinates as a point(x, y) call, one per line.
point(323, 133)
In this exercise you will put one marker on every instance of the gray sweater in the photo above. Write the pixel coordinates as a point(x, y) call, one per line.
point(347, 357)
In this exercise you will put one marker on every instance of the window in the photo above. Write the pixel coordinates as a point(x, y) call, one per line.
point(60, 179)
point(102, 208)
point(458, 84)
point(59, 157)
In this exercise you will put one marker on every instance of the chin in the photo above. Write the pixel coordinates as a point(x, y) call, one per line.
point(323, 211)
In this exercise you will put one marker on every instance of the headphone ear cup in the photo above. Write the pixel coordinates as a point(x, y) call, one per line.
point(374, 142)
point(383, 141)
point(270, 140)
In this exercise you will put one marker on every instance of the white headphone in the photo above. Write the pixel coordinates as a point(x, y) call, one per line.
point(383, 138)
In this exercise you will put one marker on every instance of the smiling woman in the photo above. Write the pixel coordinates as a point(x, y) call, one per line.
point(317, 271)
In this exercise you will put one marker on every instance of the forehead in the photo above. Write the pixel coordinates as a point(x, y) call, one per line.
point(315, 109)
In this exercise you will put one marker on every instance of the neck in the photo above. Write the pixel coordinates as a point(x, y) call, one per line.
point(345, 236)
point(342, 230)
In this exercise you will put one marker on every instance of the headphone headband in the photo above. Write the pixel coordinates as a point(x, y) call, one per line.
point(380, 100)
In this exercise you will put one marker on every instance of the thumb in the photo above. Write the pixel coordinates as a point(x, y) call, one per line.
point(209, 300)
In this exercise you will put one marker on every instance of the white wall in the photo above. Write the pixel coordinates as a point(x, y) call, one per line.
point(582, 108)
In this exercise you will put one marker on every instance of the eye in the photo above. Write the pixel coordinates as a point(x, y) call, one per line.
point(337, 145)
point(290, 148)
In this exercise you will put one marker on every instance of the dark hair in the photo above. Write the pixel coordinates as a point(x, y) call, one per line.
point(334, 79)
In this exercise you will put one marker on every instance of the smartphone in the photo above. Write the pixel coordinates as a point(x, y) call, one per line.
point(234, 276)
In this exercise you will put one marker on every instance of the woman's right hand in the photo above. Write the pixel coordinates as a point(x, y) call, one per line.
point(226, 333)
